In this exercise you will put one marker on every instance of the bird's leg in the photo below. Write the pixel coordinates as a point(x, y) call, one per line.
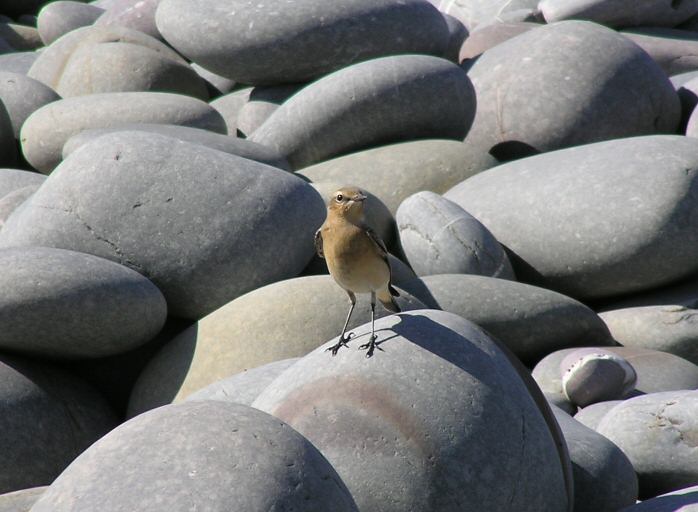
point(343, 338)
point(371, 345)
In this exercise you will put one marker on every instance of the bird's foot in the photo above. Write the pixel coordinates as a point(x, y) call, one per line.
point(341, 343)
point(371, 346)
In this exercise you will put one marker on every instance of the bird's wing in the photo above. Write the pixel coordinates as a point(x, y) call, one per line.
point(383, 252)
point(318, 243)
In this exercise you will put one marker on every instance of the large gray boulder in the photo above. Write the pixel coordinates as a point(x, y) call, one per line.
point(562, 97)
point(65, 304)
point(211, 456)
point(617, 217)
point(379, 101)
point(298, 40)
point(46, 131)
point(203, 225)
point(279, 321)
point(56, 19)
point(620, 13)
point(436, 420)
point(22, 96)
point(530, 321)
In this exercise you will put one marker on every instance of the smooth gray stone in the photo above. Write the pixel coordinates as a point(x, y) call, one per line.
point(199, 456)
point(229, 106)
point(20, 501)
point(591, 415)
point(47, 418)
point(427, 403)
point(396, 171)
point(672, 329)
point(46, 131)
point(22, 96)
point(275, 322)
point(134, 14)
point(10, 202)
point(590, 375)
point(656, 371)
point(439, 237)
point(490, 36)
point(581, 100)
point(209, 139)
point(58, 18)
point(299, 40)
point(683, 500)
point(64, 304)
point(658, 434)
point(616, 216)
point(384, 100)
point(217, 85)
point(530, 321)
point(604, 479)
point(620, 13)
point(482, 12)
point(676, 51)
point(18, 62)
point(263, 102)
point(14, 179)
point(244, 387)
point(203, 225)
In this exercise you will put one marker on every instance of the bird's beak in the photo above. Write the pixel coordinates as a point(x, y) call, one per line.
point(358, 198)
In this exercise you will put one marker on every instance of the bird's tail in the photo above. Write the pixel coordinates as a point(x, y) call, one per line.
point(387, 298)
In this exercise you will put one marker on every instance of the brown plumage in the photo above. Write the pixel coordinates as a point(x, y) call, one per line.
point(356, 258)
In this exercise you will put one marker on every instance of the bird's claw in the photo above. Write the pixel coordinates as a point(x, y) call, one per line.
point(371, 346)
point(341, 343)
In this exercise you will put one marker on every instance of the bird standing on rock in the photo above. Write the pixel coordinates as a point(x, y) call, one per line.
point(356, 258)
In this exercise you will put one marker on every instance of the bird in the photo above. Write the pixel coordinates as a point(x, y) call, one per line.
point(356, 258)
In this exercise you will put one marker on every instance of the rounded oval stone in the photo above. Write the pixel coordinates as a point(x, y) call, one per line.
point(64, 304)
point(20, 501)
point(580, 99)
point(278, 321)
point(296, 41)
point(658, 433)
point(47, 418)
point(620, 13)
point(396, 171)
point(22, 96)
point(58, 18)
point(530, 321)
point(439, 237)
point(619, 214)
point(591, 375)
point(134, 14)
point(49, 128)
point(411, 428)
point(212, 456)
point(379, 101)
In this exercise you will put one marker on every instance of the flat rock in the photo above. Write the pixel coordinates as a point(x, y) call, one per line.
point(47, 418)
point(657, 432)
point(616, 218)
point(11, 201)
point(396, 171)
point(58, 18)
point(134, 14)
point(530, 321)
point(604, 478)
point(266, 44)
point(490, 36)
point(676, 51)
point(14, 179)
point(201, 455)
point(263, 102)
point(683, 500)
point(424, 409)
point(198, 237)
point(581, 99)
point(482, 12)
point(244, 387)
point(49, 128)
point(620, 13)
point(279, 321)
point(22, 96)
point(20, 501)
point(591, 415)
point(439, 237)
point(230, 105)
point(116, 308)
point(209, 139)
point(390, 99)
point(18, 62)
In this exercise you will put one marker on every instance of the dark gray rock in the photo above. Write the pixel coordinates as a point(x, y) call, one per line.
point(58, 18)
point(530, 321)
point(412, 428)
point(683, 500)
point(20, 37)
point(618, 217)
point(46, 131)
point(22, 96)
point(288, 42)
point(582, 100)
point(209, 139)
point(14, 179)
point(384, 100)
point(482, 12)
point(10, 202)
point(134, 14)
point(620, 13)
point(229, 106)
point(676, 51)
point(244, 387)
point(203, 225)
point(18, 62)
point(279, 321)
point(604, 479)
point(490, 36)
point(591, 415)
point(560, 401)
point(8, 144)
point(201, 455)
point(65, 304)
point(47, 418)
point(263, 102)
point(457, 33)
point(439, 237)
point(20, 501)
point(657, 432)
point(686, 85)
point(590, 375)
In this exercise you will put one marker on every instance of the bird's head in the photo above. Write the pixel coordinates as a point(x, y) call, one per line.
point(348, 202)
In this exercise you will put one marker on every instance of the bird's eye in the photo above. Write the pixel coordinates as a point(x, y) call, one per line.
point(340, 197)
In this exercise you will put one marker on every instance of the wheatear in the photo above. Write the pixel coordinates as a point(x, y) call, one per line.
point(356, 258)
